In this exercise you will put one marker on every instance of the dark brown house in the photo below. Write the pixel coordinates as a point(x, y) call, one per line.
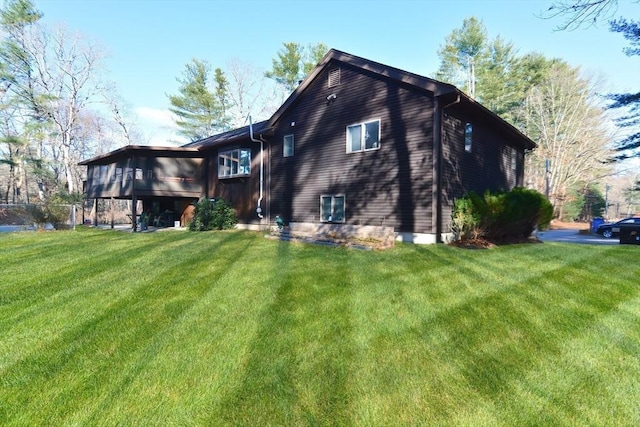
point(357, 144)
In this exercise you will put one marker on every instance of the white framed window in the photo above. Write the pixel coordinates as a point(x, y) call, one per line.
point(332, 208)
point(363, 136)
point(287, 146)
point(234, 163)
point(514, 159)
point(468, 137)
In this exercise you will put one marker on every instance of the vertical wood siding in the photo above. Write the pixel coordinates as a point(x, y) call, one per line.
point(390, 186)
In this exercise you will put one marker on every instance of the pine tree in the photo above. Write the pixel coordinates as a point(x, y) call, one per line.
point(630, 145)
point(201, 111)
point(294, 62)
point(462, 51)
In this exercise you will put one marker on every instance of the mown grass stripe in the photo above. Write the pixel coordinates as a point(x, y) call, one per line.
point(229, 328)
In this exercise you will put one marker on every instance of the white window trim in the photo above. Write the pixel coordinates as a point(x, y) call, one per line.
point(362, 136)
point(293, 150)
point(344, 208)
point(228, 153)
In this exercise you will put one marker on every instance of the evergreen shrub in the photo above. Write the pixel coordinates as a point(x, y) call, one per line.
point(213, 215)
point(499, 217)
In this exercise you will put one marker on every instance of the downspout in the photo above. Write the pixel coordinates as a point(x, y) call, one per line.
point(437, 154)
point(134, 198)
point(261, 141)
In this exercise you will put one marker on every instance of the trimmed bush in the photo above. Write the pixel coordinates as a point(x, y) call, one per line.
point(500, 217)
point(213, 215)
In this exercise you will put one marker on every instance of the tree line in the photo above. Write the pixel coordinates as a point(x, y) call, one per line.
point(57, 106)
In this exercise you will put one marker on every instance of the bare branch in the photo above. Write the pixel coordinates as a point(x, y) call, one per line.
point(580, 13)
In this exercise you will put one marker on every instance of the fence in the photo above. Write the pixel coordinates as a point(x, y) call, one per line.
point(38, 216)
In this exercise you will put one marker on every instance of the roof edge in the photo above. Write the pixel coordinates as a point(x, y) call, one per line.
point(138, 148)
point(426, 83)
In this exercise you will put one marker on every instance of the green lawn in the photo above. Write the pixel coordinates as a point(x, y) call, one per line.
point(229, 328)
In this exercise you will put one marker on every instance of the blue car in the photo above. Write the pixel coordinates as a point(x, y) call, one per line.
point(612, 229)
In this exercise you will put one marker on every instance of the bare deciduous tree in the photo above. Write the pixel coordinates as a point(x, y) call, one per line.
point(562, 115)
point(67, 67)
point(248, 89)
point(578, 13)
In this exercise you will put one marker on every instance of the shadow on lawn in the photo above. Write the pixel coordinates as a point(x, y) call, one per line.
point(500, 339)
point(298, 370)
point(126, 333)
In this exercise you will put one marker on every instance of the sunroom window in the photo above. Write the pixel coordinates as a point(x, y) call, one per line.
point(332, 208)
point(233, 163)
point(363, 136)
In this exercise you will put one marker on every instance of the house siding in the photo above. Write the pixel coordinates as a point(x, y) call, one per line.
point(388, 186)
point(391, 186)
point(240, 192)
point(487, 167)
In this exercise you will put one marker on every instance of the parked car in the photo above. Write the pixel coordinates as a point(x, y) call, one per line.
point(612, 229)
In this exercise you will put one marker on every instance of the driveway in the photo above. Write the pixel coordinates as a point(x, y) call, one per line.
point(573, 236)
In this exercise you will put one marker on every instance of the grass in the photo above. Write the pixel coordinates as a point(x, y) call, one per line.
point(229, 328)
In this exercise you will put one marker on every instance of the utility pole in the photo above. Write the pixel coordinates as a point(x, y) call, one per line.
point(606, 201)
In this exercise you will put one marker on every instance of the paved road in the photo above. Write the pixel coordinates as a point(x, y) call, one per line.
point(573, 236)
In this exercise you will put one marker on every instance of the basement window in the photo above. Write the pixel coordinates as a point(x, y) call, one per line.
point(332, 208)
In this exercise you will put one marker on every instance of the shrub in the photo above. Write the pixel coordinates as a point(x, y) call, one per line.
point(500, 217)
point(213, 215)
point(464, 222)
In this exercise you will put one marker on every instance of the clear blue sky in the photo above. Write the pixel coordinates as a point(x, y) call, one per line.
point(150, 41)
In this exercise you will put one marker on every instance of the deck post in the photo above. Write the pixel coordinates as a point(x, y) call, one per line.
point(95, 212)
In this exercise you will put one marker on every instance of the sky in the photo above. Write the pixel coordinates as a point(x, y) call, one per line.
point(149, 42)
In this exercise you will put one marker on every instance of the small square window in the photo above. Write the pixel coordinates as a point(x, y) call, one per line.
point(363, 136)
point(332, 208)
point(468, 137)
point(287, 147)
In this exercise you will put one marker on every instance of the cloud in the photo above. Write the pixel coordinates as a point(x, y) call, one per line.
point(158, 126)
point(156, 116)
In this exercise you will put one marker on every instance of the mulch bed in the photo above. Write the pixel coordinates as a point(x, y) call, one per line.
point(480, 243)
